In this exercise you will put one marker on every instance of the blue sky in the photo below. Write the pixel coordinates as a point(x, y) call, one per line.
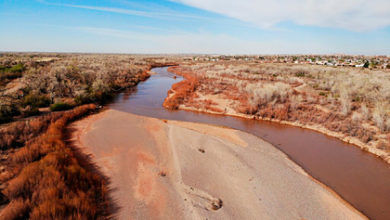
point(197, 26)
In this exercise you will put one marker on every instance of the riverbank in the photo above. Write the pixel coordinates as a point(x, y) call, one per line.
point(170, 169)
point(347, 139)
point(204, 96)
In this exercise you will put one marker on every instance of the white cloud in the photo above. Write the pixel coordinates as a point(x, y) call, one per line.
point(357, 15)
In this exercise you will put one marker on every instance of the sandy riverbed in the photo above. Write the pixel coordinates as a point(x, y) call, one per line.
point(179, 170)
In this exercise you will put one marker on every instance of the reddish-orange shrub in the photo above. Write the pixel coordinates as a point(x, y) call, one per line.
point(17, 209)
point(54, 184)
point(17, 133)
point(281, 113)
point(181, 91)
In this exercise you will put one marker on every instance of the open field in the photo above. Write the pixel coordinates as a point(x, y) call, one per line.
point(352, 104)
point(178, 170)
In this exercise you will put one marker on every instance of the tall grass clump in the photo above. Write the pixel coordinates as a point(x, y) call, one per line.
point(35, 100)
point(261, 94)
point(53, 183)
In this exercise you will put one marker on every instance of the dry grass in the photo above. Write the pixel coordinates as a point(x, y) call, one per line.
point(72, 79)
point(350, 101)
point(75, 79)
point(52, 183)
point(17, 133)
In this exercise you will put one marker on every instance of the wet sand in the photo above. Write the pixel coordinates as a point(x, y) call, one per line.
point(180, 170)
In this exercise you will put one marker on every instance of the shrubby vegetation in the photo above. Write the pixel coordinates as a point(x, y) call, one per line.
point(48, 80)
point(181, 90)
point(41, 177)
point(350, 101)
point(11, 72)
point(48, 180)
point(7, 112)
point(60, 106)
point(35, 100)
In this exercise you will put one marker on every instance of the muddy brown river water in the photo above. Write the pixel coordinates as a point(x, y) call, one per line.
point(358, 177)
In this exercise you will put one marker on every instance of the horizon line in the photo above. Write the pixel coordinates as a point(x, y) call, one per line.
point(202, 54)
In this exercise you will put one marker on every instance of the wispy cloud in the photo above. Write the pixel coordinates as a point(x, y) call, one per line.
point(357, 15)
point(133, 12)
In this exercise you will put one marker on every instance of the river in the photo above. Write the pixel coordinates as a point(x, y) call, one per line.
point(358, 177)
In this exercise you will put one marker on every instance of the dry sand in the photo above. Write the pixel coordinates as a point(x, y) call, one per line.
point(179, 170)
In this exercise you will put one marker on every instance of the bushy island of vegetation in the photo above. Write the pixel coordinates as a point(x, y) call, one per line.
point(41, 176)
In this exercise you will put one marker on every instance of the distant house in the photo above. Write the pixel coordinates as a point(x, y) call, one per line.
point(360, 65)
